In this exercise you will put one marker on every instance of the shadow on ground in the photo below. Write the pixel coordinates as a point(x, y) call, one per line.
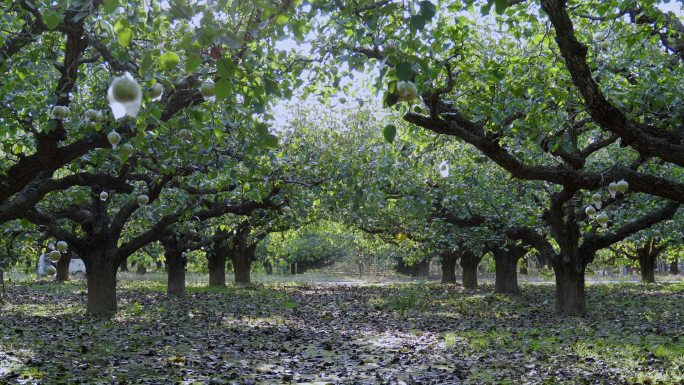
point(311, 333)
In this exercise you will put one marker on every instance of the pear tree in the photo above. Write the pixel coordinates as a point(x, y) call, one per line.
point(538, 118)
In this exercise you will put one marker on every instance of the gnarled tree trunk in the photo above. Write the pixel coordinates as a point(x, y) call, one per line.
point(418, 269)
point(570, 296)
point(242, 258)
point(142, 269)
point(63, 267)
point(216, 261)
point(242, 267)
point(175, 273)
point(268, 268)
point(647, 268)
point(449, 260)
point(469, 262)
point(175, 261)
point(506, 263)
point(647, 255)
point(101, 268)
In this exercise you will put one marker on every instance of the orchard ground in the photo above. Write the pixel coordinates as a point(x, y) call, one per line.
point(327, 329)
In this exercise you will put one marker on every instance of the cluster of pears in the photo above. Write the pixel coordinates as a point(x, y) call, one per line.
point(55, 255)
point(596, 202)
point(93, 117)
point(142, 199)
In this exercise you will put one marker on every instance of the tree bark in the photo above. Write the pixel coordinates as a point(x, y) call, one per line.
point(124, 265)
point(647, 255)
point(242, 266)
point(268, 268)
point(63, 267)
point(423, 268)
point(570, 297)
point(449, 260)
point(175, 273)
point(506, 279)
point(174, 246)
point(217, 267)
point(674, 267)
point(242, 258)
point(469, 262)
point(506, 264)
point(101, 268)
point(647, 269)
point(142, 269)
point(418, 269)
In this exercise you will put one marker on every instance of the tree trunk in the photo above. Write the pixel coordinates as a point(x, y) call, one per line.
point(217, 268)
point(142, 269)
point(242, 266)
point(124, 265)
point(647, 265)
point(570, 298)
point(506, 279)
point(268, 268)
point(449, 267)
point(469, 262)
point(674, 267)
point(242, 258)
point(175, 273)
point(293, 269)
point(159, 263)
point(647, 272)
point(423, 268)
point(63, 267)
point(418, 269)
point(101, 268)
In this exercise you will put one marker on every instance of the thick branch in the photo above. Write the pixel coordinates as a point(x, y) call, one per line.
point(595, 242)
point(647, 140)
point(468, 131)
point(534, 239)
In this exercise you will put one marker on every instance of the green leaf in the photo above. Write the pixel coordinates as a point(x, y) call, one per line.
point(224, 89)
point(428, 9)
point(404, 71)
point(282, 19)
point(168, 61)
point(417, 22)
point(192, 63)
point(389, 132)
point(270, 141)
point(125, 35)
point(146, 63)
point(110, 6)
point(501, 6)
point(52, 19)
point(226, 68)
point(486, 8)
